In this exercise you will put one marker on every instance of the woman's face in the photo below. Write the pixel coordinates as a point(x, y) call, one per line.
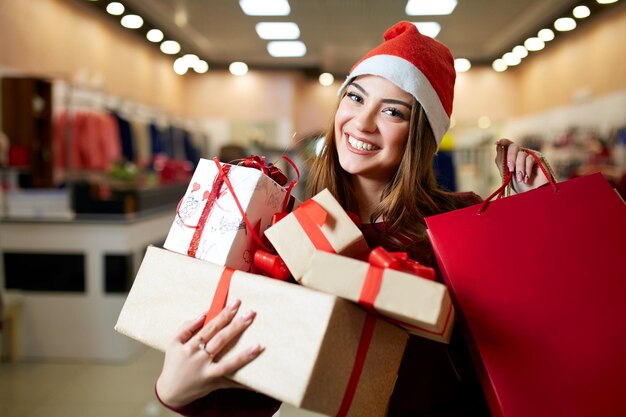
point(372, 127)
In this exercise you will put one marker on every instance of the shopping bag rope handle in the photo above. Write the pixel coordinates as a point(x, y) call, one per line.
point(508, 177)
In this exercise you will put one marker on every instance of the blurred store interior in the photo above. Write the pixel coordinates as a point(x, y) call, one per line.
point(106, 108)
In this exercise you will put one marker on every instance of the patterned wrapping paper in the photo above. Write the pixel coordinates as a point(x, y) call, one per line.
point(310, 338)
point(225, 240)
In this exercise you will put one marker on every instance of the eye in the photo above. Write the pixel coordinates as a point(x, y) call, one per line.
point(393, 112)
point(354, 96)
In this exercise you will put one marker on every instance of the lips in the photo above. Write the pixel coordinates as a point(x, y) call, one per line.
point(361, 146)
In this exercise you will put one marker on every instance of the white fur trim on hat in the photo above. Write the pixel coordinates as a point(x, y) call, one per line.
point(409, 78)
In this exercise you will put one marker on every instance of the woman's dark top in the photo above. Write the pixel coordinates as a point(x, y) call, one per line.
point(435, 379)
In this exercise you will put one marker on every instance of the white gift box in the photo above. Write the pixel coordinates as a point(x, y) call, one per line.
point(224, 238)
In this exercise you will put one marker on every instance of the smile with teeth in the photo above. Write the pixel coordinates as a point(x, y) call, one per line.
point(361, 146)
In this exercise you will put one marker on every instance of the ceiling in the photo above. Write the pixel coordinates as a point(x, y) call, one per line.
point(338, 32)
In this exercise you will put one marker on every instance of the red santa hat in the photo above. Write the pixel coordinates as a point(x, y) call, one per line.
point(417, 64)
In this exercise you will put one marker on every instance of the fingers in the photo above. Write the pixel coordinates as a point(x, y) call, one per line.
point(188, 329)
point(213, 338)
point(501, 146)
point(530, 162)
point(230, 365)
point(226, 315)
point(518, 161)
point(520, 166)
point(222, 338)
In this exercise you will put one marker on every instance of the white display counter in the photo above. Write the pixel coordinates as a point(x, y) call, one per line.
point(78, 325)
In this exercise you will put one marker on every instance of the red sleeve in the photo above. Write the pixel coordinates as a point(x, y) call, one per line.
point(228, 403)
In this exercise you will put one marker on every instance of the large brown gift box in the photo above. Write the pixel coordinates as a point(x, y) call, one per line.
point(420, 305)
point(310, 338)
point(295, 240)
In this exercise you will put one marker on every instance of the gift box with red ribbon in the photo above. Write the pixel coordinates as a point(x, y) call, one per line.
point(401, 289)
point(319, 223)
point(322, 353)
point(225, 210)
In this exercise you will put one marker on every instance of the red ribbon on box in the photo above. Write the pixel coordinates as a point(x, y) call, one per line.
point(272, 264)
point(312, 216)
point(221, 295)
point(400, 261)
point(379, 260)
point(221, 179)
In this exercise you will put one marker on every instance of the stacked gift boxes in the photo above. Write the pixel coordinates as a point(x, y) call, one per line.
point(322, 351)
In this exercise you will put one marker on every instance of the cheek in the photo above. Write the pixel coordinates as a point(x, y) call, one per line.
point(341, 118)
point(398, 139)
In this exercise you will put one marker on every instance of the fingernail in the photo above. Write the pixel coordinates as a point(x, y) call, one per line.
point(510, 164)
point(255, 350)
point(248, 316)
point(519, 176)
point(234, 305)
point(201, 316)
point(526, 178)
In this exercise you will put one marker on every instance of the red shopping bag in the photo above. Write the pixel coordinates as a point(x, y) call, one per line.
point(539, 280)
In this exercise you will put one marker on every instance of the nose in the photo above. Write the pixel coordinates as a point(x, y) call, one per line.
point(365, 119)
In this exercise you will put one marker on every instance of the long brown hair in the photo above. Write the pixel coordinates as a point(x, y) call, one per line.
point(412, 192)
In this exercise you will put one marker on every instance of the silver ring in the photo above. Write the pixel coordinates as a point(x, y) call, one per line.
point(202, 347)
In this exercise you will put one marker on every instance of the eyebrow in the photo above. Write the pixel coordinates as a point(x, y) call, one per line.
point(386, 100)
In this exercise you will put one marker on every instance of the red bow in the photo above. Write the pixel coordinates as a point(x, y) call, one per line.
point(269, 262)
point(400, 261)
point(260, 163)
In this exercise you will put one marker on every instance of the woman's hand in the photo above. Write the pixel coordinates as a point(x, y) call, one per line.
point(193, 368)
point(526, 174)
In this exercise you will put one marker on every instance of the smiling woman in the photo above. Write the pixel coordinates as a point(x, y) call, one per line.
point(371, 128)
point(377, 161)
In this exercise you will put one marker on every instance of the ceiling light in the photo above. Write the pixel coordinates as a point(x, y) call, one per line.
point(510, 59)
point(499, 65)
point(115, 8)
point(238, 68)
point(546, 35)
point(283, 49)
point(606, 1)
point(581, 12)
point(520, 51)
point(484, 122)
point(132, 21)
point(265, 7)
point(326, 79)
point(429, 7)
point(180, 66)
point(170, 47)
point(278, 30)
point(431, 29)
point(564, 24)
point(191, 59)
point(201, 66)
point(154, 35)
point(534, 44)
point(462, 65)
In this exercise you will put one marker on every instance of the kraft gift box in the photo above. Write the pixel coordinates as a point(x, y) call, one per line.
point(295, 242)
point(222, 237)
point(310, 338)
point(421, 306)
